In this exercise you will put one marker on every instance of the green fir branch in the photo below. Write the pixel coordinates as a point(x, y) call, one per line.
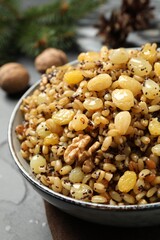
point(9, 9)
point(37, 12)
point(32, 30)
point(37, 40)
point(8, 44)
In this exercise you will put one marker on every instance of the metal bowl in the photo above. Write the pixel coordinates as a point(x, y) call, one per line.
point(126, 215)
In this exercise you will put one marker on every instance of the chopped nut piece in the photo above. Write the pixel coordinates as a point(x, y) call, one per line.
point(78, 151)
point(77, 146)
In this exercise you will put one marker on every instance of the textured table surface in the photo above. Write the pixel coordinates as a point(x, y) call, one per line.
point(22, 213)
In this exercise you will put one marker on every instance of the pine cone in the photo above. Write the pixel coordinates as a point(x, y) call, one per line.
point(132, 6)
point(132, 15)
point(115, 30)
point(140, 13)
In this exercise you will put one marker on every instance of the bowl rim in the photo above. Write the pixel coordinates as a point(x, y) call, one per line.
point(45, 189)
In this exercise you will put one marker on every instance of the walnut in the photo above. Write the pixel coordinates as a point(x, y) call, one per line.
point(48, 58)
point(94, 147)
point(14, 77)
point(88, 166)
point(75, 148)
point(79, 152)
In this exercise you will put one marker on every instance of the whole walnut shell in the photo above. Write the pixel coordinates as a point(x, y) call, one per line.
point(14, 77)
point(48, 58)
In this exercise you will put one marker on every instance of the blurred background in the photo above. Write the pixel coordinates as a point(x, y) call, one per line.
point(28, 27)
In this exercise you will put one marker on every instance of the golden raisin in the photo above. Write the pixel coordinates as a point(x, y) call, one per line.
point(127, 181)
point(73, 77)
point(63, 116)
point(99, 82)
point(157, 68)
point(79, 122)
point(51, 139)
point(139, 66)
point(123, 98)
point(154, 127)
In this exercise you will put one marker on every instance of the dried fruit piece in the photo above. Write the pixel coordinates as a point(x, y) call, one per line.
point(122, 121)
point(157, 68)
point(63, 116)
point(38, 163)
point(123, 98)
point(42, 130)
point(139, 66)
point(130, 83)
point(79, 122)
point(151, 89)
point(73, 77)
point(156, 149)
point(81, 191)
point(118, 56)
point(89, 56)
point(93, 103)
point(127, 181)
point(100, 82)
point(76, 175)
point(154, 127)
point(149, 52)
point(51, 139)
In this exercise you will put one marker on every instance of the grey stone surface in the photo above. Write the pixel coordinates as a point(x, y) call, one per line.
point(22, 213)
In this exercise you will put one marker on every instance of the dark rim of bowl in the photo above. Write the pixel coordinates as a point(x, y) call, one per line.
point(43, 188)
